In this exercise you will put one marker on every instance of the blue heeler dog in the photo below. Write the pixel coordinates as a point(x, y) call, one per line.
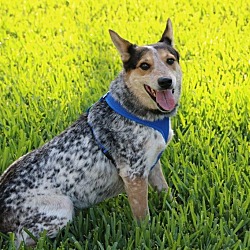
point(114, 147)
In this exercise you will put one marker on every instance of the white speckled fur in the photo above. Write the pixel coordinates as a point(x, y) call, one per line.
point(40, 190)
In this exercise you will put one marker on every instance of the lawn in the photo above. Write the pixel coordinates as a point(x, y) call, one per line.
point(56, 59)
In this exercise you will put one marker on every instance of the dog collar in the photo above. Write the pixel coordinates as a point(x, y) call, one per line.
point(162, 126)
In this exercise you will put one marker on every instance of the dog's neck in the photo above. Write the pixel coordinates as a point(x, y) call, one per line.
point(128, 100)
point(163, 126)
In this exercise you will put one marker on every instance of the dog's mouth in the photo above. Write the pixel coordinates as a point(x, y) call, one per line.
point(163, 98)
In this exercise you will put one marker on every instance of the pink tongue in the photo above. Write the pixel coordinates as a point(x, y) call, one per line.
point(165, 99)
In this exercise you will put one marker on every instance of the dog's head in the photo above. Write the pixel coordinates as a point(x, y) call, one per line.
point(152, 72)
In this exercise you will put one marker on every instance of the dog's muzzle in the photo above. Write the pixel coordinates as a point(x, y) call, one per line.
point(164, 95)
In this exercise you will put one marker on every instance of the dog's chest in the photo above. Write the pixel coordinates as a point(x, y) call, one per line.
point(140, 150)
point(153, 149)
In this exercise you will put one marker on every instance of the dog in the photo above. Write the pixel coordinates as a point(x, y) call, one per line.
point(114, 147)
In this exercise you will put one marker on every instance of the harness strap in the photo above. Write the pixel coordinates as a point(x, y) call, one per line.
point(104, 150)
point(160, 125)
point(163, 126)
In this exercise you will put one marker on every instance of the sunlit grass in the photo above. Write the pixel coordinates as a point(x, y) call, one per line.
point(57, 59)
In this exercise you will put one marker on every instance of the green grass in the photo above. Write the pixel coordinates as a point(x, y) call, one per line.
point(57, 59)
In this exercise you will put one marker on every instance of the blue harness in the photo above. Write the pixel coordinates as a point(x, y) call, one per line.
point(162, 126)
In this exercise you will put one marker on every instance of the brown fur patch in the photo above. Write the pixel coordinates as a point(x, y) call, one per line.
point(137, 191)
point(164, 55)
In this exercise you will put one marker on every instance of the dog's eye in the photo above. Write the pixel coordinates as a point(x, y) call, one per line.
point(170, 61)
point(144, 66)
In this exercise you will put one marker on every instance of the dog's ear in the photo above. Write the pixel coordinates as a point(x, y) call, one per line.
point(168, 35)
point(122, 45)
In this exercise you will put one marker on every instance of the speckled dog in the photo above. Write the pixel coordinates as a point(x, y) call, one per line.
point(114, 147)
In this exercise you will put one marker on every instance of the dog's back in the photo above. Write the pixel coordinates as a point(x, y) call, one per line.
point(71, 165)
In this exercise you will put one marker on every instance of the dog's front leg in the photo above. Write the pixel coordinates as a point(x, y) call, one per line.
point(137, 192)
point(157, 179)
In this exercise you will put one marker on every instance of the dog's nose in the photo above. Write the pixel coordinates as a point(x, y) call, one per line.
point(165, 82)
